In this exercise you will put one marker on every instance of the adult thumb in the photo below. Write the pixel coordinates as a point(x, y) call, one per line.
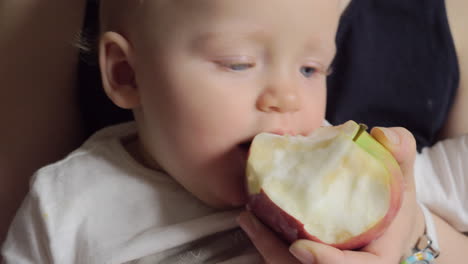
point(309, 252)
point(401, 143)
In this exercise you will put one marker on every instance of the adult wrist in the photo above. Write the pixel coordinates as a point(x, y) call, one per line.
point(418, 230)
point(425, 247)
point(430, 230)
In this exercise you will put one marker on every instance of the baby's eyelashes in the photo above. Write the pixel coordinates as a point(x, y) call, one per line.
point(244, 64)
point(236, 64)
point(240, 66)
point(308, 70)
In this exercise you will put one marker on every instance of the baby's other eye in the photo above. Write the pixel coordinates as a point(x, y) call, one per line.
point(308, 71)
point(239, 66)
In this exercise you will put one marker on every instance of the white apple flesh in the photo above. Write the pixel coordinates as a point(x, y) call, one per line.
point(337, 186)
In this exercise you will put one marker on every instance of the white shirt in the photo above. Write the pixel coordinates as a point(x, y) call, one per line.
point(441, 176)
point(100, 206)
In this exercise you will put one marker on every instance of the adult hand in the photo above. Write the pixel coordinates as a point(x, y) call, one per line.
point(389, 248)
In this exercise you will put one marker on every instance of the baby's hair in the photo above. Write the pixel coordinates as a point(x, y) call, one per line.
point(86, 40)
point(101, 16)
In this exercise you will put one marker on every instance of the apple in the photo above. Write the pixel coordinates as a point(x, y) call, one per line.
point(337, 186)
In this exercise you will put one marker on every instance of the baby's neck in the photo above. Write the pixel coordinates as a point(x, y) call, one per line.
point(136, 150)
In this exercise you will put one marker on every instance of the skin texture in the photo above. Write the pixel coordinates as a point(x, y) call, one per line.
point(221, 75)
point(44, 125)
point(40, 120)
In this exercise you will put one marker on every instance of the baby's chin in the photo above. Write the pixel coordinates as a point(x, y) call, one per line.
point(231, 191)
point(231, 199)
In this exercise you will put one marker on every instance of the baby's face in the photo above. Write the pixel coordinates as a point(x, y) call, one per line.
point(212, 74)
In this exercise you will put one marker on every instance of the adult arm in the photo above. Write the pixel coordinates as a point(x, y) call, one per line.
point(38, 108)
point(457, 123)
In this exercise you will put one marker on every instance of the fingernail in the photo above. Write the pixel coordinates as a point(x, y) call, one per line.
point(305, 255)
point(390, 135)
point(248, 223)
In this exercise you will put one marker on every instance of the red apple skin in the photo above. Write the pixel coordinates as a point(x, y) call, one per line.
point(292, 229)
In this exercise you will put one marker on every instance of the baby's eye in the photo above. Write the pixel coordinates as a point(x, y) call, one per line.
point(308, 71)
point(239, 66)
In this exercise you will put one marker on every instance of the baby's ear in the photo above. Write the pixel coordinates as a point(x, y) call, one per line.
point(117, 71)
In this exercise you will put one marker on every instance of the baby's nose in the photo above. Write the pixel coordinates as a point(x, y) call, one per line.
point(281, 99)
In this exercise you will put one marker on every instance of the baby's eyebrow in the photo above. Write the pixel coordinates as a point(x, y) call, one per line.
point(212, 36)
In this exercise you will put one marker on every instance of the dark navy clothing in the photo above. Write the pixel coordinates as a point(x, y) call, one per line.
point(395, 66)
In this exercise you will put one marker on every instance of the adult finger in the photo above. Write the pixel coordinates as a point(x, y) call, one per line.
point(323, 254)
point(401, 143)
point(272, 249)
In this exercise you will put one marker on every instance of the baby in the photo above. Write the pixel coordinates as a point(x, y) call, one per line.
point(202, 78)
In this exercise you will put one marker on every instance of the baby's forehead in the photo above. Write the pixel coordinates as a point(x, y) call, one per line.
point(115, 12)
point(151, 8)
point(151, 18)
